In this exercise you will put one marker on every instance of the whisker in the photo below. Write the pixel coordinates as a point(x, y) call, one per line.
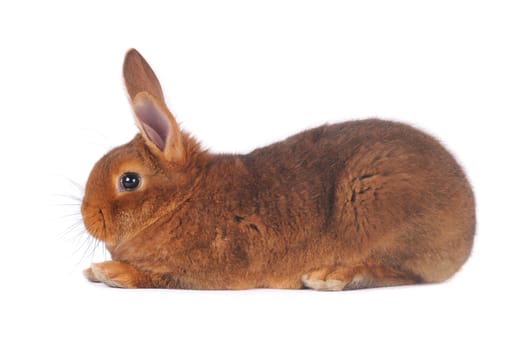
point(89, 248)
point(95, 247)
point(66, 216)
point(69, 196)
point(69, 222)
point(71, 229)
point(104, 252)
point(84, 243)
point(76, 184)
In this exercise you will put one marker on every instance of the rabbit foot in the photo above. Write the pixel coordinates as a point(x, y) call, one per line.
point(114, 274)
point(327, 279)
point(88, 273)
point(364, 276)
point(326, 285)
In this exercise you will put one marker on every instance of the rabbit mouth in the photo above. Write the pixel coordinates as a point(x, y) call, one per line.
point(101, 215)
point(101, 232)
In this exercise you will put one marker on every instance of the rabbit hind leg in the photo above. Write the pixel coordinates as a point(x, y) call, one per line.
point(343, 277)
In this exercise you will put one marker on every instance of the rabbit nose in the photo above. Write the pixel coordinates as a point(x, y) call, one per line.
point(87, 210)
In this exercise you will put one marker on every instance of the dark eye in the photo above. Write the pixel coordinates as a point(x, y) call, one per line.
point(130, 181)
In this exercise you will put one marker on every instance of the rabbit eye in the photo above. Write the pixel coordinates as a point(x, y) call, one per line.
point(130, 181)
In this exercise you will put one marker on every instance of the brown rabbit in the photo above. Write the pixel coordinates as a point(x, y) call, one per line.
point(359, 204)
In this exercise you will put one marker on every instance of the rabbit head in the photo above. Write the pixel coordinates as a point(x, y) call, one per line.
point(126, 189)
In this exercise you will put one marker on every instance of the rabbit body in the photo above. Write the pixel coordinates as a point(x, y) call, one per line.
point(358, 204)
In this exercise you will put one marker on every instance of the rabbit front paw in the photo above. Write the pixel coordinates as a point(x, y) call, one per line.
point(114, 274)
point(90, 276)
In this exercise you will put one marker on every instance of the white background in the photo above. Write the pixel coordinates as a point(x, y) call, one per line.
point(241, 75)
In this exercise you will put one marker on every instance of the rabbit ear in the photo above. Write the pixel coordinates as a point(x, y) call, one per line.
point(158, 127)
point(139, 77)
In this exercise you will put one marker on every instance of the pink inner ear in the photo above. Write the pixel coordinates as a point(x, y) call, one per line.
point(154, 137)
point(153, 121)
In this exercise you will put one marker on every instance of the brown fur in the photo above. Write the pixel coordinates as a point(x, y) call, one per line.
point(359, 204)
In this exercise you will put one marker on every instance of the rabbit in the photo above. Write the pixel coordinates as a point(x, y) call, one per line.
point(359, 204)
